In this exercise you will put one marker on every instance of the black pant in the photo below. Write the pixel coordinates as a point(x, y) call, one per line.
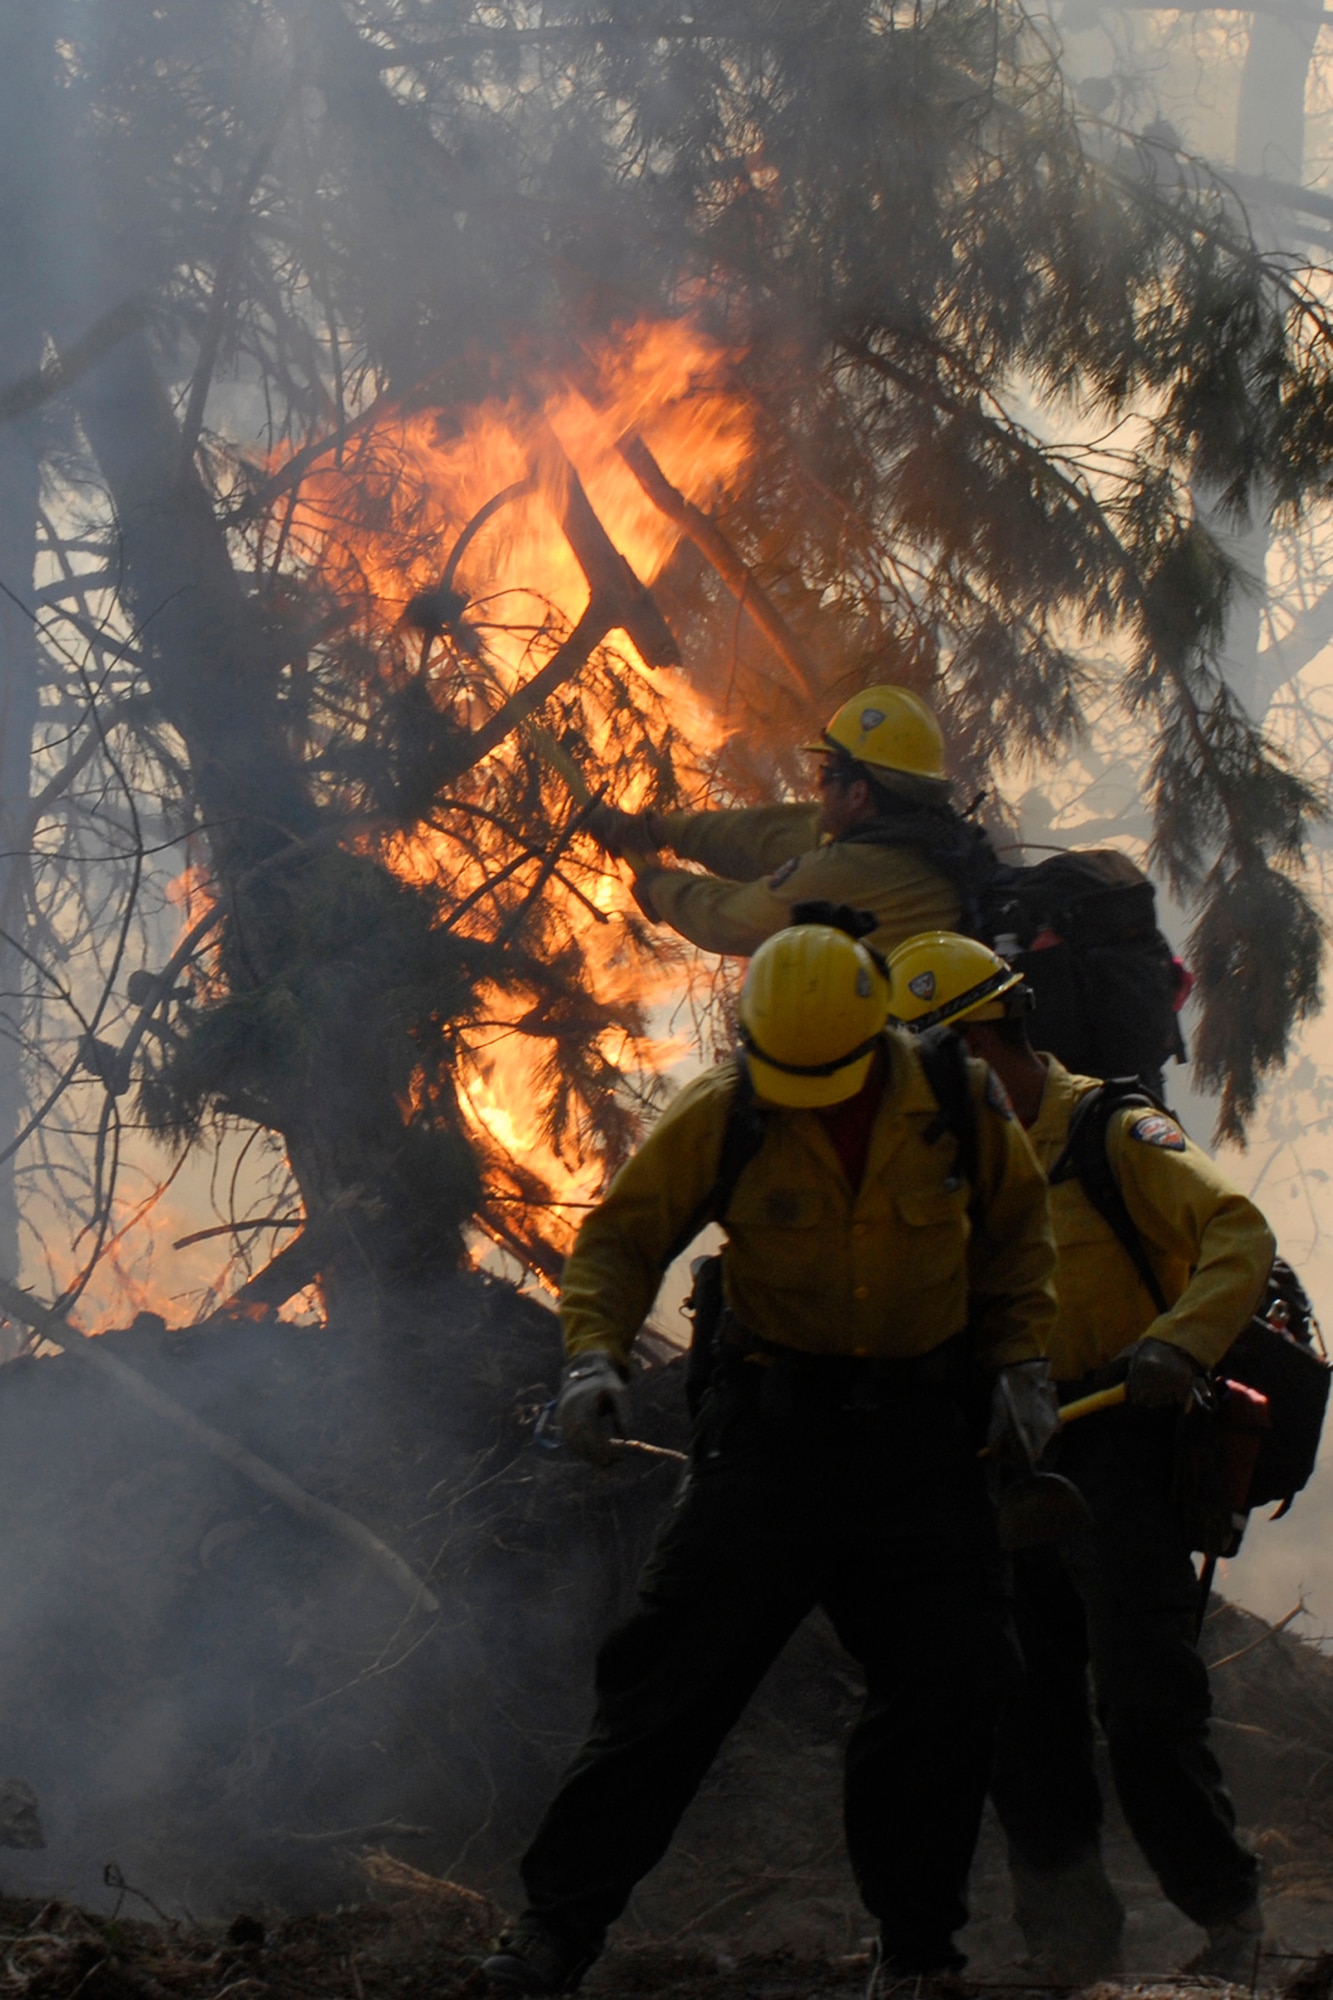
point(1123, 1595)
point(878, 1514)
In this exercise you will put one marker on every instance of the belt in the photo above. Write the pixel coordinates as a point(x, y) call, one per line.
point(949, 1368)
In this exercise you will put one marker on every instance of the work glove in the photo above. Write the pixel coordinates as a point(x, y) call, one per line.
point(1024, 1413)
point(621, 832)
point(1161, 1376)
point(593, 1406)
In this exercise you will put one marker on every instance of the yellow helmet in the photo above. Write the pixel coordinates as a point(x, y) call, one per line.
point(813, 1005)
point(890, 729)
point(939, 976)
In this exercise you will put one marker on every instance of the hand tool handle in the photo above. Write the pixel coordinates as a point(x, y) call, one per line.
point(1087, 1406)
point(556, 755)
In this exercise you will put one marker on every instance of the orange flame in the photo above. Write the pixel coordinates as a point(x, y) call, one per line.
point(420, 478)
point(665, 381)
point(370, 534)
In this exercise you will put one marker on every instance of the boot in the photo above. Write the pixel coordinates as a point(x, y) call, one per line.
point(895, 1975)
point(1233, 1948)
point(1071, 1919)
point(533, 1959)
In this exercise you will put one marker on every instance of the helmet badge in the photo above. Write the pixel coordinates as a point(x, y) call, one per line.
point(863, 986)
point(871, 719)
point(923, 986)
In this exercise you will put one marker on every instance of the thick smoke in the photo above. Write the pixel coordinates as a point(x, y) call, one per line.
point(225, 1701)
point(244, 228)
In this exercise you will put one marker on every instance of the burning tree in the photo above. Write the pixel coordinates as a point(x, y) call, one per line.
point(461, 412)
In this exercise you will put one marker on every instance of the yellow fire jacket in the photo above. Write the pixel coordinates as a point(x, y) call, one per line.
point(763, 859)
point(892, 1268)
point(1208, 1245)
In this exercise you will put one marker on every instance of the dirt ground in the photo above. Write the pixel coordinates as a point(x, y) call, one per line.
point(253, 1729)
point(749, 1875)
point(413, 1935)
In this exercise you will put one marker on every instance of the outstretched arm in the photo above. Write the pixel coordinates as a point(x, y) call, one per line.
point(895, 884)
point(744, 844)
point(613, 1272)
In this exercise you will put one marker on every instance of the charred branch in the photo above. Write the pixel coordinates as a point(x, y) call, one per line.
point(618, 602)
point(74, 360)
point(56, 1329)
point(713, 544)
point(294, 1269)
point(610, 579)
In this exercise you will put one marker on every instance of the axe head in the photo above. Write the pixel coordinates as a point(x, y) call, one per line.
point(1044, 1507)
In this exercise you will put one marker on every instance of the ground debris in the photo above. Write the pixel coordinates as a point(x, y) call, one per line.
point(236, 1704)
point(418, 1935)
point(395, 1949)
point(237, 1707)
point(1314, 1981)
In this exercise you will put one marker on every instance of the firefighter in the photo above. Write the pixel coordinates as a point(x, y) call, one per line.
point(1123, 1594)
point(871, 1298)
point(882, 837)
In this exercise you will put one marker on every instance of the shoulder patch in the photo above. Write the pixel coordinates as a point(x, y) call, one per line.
point(785, 872)
point(1155, 1130)
point(997, 1096)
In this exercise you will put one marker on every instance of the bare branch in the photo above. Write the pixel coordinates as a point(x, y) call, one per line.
point(73, 361)
point(712, 543)
point(619, 602)
point(224, 278)
point(609, 574)
point(235, 1228)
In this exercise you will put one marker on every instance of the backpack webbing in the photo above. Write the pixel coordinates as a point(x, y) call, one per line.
point(742, 1136)
point(944, 1060)
point(955, 845)
point(1084, 1159)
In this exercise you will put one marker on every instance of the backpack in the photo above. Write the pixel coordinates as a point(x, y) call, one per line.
point(944, 1060)
point(1081, 927)
point(1280, 1354)
point(1255, 1438)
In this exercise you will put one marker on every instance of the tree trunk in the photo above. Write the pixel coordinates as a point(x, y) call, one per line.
point(325, 1061)
point(21, 171)
point(214, 669)
point(1270, 140)
point(18, 719)
point(1270, 119)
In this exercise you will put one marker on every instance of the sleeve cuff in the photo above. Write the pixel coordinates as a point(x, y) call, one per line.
point(1162, 1330)
point(1018, 1347)
point(578, 1347)
point(641, 888)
